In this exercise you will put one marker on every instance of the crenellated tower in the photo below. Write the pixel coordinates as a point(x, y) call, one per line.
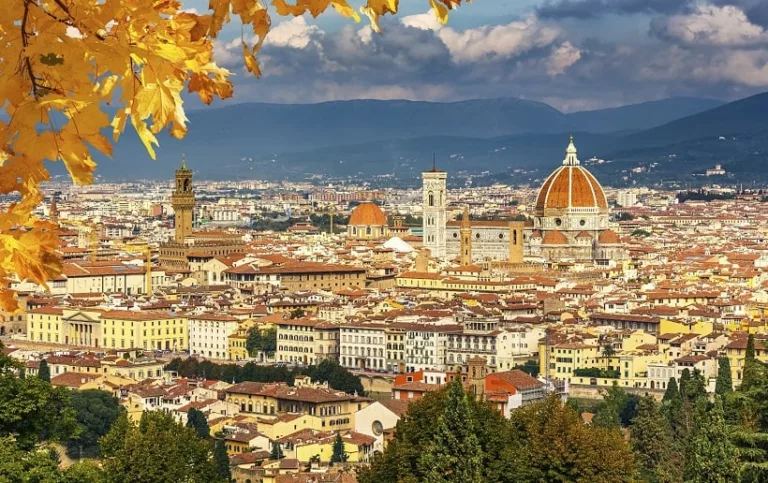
point(183, 201)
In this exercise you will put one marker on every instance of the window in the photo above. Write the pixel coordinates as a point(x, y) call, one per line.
point(431, 201)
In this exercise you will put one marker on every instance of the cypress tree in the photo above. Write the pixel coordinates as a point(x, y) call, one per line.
point(44, 372)
point(277, 452)
point(339, 455)
point(672, 392)
point(653, 444)
point(712, 457)
point(724, 383)
point(454, 455)
point(222, 461)
point(752, 367)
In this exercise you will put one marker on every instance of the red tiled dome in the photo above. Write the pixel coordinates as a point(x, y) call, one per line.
point(608, 237)
point(554, 237)
point(367, 214)
point(571, 186)
point(584, 234)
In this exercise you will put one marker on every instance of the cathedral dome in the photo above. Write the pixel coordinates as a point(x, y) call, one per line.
point(554, 237)
point(367, 214)
point(571, 186)
point(608, 237)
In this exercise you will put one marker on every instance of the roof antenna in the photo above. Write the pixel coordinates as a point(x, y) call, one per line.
point(434, 166)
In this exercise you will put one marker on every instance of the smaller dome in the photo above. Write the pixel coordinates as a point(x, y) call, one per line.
point(584, 234)
point(367, 214)
point(554, 237)
point(608, 237)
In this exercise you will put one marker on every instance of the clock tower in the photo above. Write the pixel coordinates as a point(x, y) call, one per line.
point(183, 201)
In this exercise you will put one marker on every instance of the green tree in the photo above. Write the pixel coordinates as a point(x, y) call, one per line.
point(82, 472)
point(558, 447)
point(653, 444)
point(32, 410)
point(44, 372)
point(222, 460)
point(158, 450)
point(297, 314)
point(454, 454)
point(530, 367)
point(724, 383)
point(402, 459)
point(672, 393)
point(712, 458)
point(261, 340)
point(608, 350)
point(753, 368)
point(277, 452)
point(197, 420)
point(617, 408)
point(339, 454)
point(337, 377)
point(95, 412)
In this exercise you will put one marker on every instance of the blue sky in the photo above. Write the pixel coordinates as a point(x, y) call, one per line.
point(571, 54)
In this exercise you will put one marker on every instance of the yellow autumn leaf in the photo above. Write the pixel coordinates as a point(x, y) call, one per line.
point(441, 11)
point(376, 8)
point(250, 61)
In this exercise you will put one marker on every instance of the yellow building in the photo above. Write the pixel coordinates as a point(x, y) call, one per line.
point(335, 409)
point(358, 447)
point(110, 329)
point(736, 353)
point(144, 330)
point(288, 423)
point(237, 345)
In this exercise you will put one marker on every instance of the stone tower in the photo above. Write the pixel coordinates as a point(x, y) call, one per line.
point(183, 201)
point(516, 241)
point(53, 213)
point(466, 239)
point(434, 202)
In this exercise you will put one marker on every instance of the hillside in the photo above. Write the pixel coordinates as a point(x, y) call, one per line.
point(746, 116)
point(251, 140)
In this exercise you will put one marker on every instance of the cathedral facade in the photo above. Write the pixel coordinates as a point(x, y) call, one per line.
point(571, 222)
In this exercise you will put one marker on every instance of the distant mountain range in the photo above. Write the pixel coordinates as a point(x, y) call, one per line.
point(277, 141)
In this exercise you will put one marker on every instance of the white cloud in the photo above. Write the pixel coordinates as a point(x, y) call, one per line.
point(500, 41)
point(294, 33)
point(563, 57)
point(422, 21)
point(711, 25)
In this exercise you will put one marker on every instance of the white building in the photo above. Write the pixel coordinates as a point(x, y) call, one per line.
point(426, 346)
point(513, 346)
point(626, 198)
point(209, 335)
point(378, 417)
point(363, 346)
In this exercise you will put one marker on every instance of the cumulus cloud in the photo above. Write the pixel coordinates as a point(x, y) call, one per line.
point(710, 51)
point(563, 57)
point(756, 10)
point(585, 9)
point(500, 41)
point(294, 33)
point(711, 25)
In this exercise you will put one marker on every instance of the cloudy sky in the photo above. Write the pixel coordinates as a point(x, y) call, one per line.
point(572, 54)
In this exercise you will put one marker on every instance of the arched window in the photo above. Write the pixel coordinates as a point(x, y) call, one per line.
point(368, 230)
point(514, 237)
point(431, 199)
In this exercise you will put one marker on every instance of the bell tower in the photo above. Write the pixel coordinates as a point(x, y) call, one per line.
point(434, 202)
point(466, 239)
point(183, 201)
